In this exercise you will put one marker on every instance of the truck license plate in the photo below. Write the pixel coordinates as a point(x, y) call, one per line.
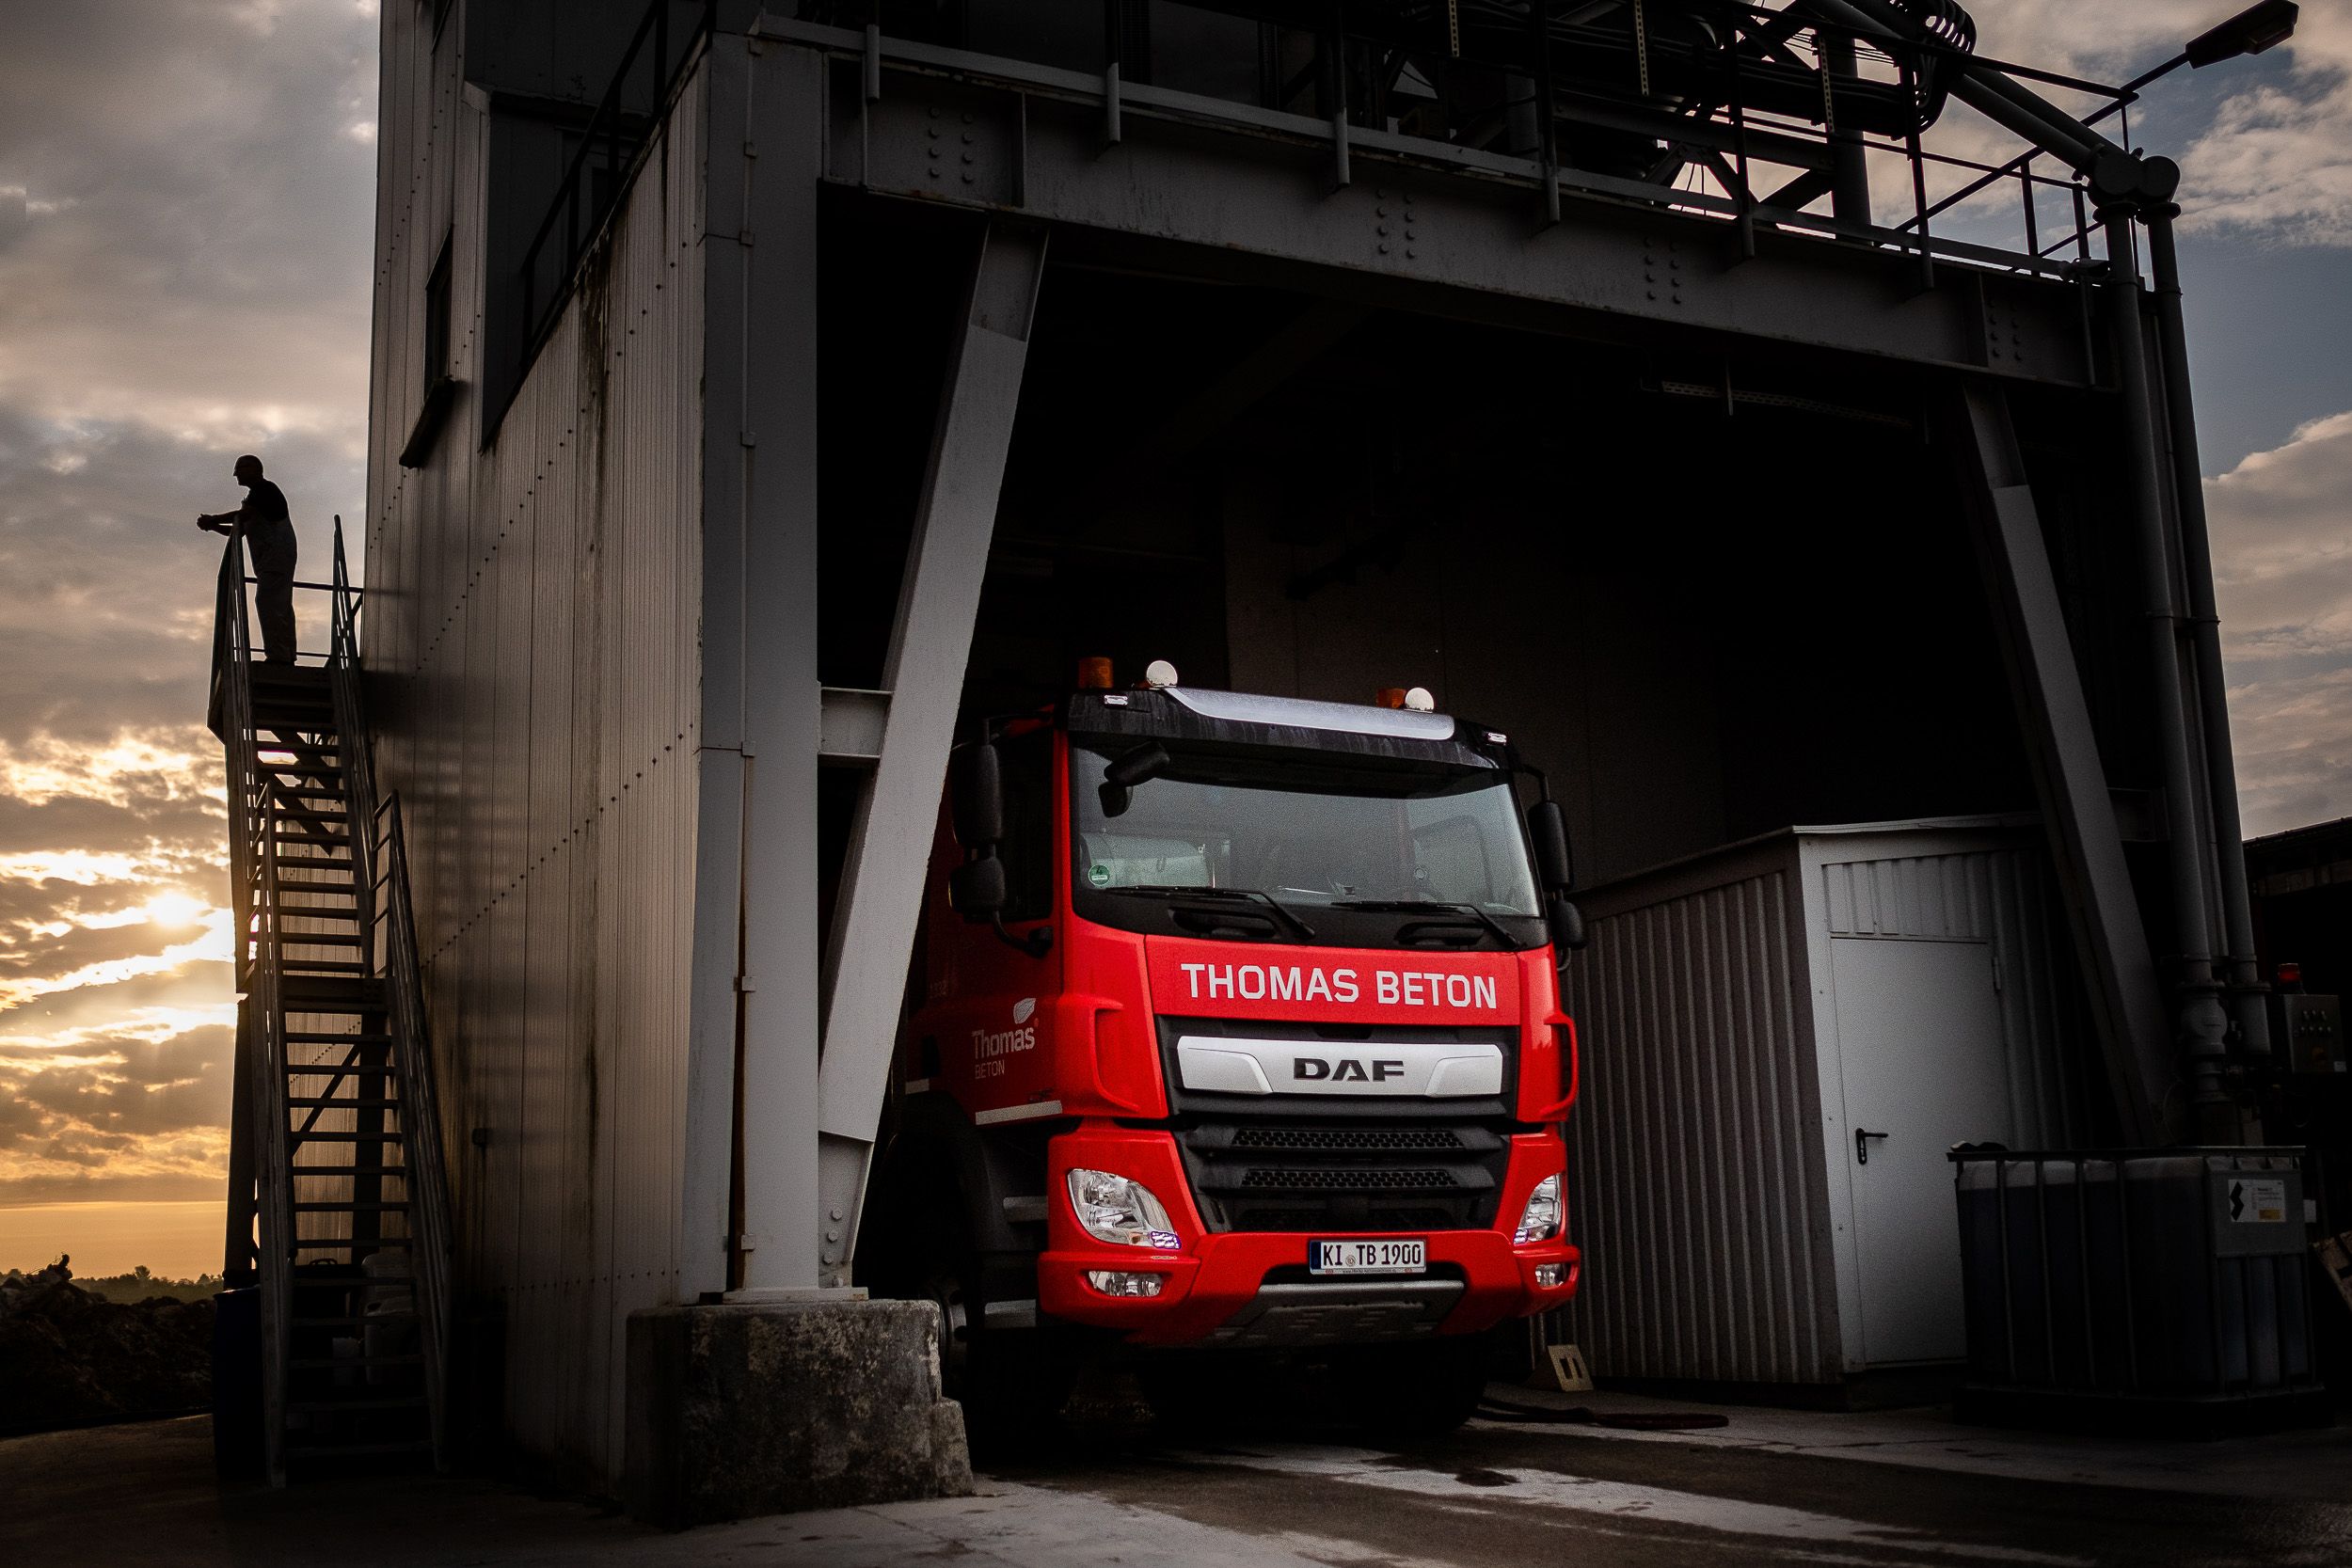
point(1392, 1257)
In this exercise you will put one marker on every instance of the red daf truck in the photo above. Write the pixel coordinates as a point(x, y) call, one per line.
point(1239, 1030)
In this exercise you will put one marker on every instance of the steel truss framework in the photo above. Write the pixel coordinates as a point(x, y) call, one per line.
point(1221, 189)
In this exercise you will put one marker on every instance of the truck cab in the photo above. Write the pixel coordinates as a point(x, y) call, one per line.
point(1238, 1028)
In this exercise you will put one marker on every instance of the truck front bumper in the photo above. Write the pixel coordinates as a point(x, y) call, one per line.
point(1237, 1287)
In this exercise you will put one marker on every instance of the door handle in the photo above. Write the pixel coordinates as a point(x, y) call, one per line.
point(1861, 1145)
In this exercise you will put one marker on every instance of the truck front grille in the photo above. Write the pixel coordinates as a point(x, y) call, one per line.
point(1256, 1176)
point(1337, 1163)
point(1346, 1180)
point(1350, 1139)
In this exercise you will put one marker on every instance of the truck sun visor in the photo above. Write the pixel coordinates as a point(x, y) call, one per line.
point(1349, 718)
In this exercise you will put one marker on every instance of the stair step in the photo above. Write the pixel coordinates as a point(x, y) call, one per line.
point(343, 1244)
point(305, 1101)
point(323, 967)
point(337, 1363)
point(313, 939)
point(301, 1171)
point(397, 1207)
point(334, 1451)
point(339, 1135)
point(312, 1037)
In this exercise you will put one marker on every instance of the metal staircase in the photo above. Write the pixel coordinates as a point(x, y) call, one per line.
point(337, 1202)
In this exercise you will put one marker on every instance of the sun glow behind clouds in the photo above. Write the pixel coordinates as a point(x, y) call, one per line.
point(214, 944)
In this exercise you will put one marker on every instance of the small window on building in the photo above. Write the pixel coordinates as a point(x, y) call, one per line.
point(440, 390)
point(437, 322)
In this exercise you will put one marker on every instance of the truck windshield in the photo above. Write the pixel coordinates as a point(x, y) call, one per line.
point(1444, 836)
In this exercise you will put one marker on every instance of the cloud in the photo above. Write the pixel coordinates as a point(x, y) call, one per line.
point(200, 213)
point(186, 222)
point(117, 1115)
point(2283, 572)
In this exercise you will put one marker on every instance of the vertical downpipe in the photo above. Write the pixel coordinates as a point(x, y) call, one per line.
point(2248, 1007)
point(2203, 1026)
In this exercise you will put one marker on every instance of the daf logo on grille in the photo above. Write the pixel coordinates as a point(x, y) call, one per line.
point(1345, 1069)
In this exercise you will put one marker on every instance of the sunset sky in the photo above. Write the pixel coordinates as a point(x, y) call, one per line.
point(186, 212)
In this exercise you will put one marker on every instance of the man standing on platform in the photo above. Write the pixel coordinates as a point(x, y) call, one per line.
point(269, 538)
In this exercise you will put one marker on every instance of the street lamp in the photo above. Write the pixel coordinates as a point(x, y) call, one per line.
point(2251, 31)
point(2257, 28)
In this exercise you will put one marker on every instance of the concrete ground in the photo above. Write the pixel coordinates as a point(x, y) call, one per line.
point(1893, 1488)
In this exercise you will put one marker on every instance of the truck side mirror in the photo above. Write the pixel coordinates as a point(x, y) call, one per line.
point(977, 890)
point(977, 792)
point(1548, 830)
point(1567, 929)
point(1146, 761)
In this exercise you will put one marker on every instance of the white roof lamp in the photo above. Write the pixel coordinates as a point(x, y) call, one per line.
point(1418, 700)
point(1159, 674)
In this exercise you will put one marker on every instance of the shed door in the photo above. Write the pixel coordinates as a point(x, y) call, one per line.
point(1920, 1050)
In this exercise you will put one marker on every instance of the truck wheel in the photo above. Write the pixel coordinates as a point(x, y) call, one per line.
point(1416, 1391)
point(1012, 1382)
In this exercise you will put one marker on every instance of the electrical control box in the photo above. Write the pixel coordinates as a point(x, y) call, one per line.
point(2306, 1032)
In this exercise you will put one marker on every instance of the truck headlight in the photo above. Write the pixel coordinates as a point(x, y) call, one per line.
point(1541, 1221)
point(1116, 1208)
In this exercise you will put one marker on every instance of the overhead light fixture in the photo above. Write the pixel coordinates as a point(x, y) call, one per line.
point(2251, 31)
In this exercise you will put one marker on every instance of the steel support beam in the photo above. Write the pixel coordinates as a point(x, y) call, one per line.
point(1434, 227)
point(1850, 191)
point(881, 877)
point(2077, 811)
point(751, 1112)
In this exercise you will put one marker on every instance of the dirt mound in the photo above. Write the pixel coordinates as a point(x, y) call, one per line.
point(68, 1356)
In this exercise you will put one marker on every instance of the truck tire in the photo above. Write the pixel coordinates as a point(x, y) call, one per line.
point(1414, 1391)
point(1012, 1382)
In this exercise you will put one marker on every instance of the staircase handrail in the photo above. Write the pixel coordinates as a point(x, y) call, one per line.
point(254, 804)
point(387, 926)
point(428, 1187)
point(272, 1166)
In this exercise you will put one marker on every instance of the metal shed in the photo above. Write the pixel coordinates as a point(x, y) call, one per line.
point(1781, 1038)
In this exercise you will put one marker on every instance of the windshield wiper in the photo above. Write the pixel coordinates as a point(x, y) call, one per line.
point(1175, 890)
point(1426, 906)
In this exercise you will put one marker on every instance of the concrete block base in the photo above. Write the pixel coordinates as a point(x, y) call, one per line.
point(745, 1409)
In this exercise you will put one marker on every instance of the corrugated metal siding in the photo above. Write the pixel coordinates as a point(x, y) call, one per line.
point(531, 631)
point(1694, 1148)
